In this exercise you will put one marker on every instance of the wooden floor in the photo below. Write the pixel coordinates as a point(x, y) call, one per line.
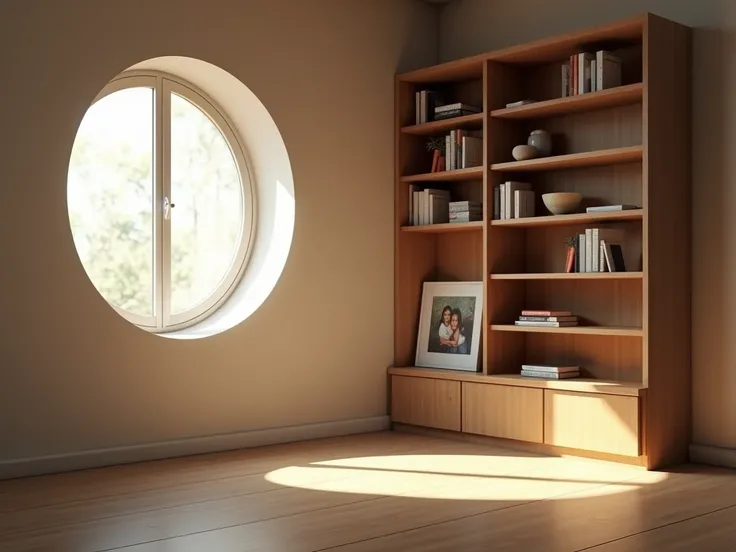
point(378, 492)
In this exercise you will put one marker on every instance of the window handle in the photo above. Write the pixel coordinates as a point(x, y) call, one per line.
point(168, 206)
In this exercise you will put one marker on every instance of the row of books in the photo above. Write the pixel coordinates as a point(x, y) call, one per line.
point(590, 72)
point(546, 371)
point(434, 206)
point(547, 318)
point(596, 250)
point(463, 149)
point(430, 106)
point(513, 200)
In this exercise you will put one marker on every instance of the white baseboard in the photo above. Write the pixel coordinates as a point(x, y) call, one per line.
point(716, 456)
point(23, 467)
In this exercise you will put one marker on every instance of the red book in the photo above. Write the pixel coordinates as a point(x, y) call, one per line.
point(545, 313)
point(435, 160)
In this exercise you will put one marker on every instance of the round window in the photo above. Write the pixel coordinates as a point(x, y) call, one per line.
point(160, 201)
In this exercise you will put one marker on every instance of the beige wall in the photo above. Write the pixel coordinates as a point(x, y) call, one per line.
point(474, 26)
point(75, 376)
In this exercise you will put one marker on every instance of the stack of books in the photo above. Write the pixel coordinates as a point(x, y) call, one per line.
point(466, 211)
point(587, 72)
point(452, 110)
point(545, 371)
point(547, 318)
point(513, 200)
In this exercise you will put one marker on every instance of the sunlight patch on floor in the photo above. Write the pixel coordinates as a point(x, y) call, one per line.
point(465, 477)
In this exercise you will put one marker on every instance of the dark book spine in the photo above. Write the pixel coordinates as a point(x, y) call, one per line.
point(496, 203)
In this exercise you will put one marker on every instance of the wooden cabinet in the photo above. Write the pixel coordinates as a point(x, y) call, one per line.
point(426, 402)
point(602, 423)
point(503, 411)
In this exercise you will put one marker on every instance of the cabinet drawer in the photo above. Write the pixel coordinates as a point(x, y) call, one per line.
point(426, 402)
point(603, 423)
point(503, 411)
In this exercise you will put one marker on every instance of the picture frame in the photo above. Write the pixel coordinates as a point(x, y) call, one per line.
point(450, 321)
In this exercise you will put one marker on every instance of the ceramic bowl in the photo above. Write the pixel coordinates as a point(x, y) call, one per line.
point(562, 203)
point(524, 152)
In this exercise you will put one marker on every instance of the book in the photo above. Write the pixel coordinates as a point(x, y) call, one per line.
point(452, 114)
point(549, 375)
point(608, 67)
point(528, 312)
point(523, 203)
point(550, 368)
point(508, 204)
point(607, 208)
point(545, 324)
point(457, 105)
point(520, 103)
point(465, 206)
point(549, 318)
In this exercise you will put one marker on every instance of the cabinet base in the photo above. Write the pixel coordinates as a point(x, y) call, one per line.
point(536, 448)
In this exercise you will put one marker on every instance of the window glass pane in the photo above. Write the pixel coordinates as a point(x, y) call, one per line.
point(207, 219)
point(110, 195)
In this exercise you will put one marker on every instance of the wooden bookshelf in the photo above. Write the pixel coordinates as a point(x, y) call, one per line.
point(613, 97)
point(445, 227)
point(473, 121)
point(571, 330)
point(623, 145)
point(601, 158)
point(446, 176)
point(574, 218)
point(586, 385)
point(571, 276)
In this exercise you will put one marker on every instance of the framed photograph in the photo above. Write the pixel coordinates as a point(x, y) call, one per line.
point(449, 325)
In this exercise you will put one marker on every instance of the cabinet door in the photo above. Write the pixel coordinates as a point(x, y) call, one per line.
point(503, 411)
point(603, 423)
point(426, 402)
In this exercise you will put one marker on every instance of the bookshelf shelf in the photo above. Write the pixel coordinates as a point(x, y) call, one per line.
point(613, 97)
point(599, 158)
point(627, 145)
point(575, 218)
point(571, 276)
point(448, 227)
point(446, 176)
point(474, 121)
point(571, 330)
point(586, 385)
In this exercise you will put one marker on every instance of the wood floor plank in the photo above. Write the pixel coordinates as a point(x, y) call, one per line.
point(575, 521)
point(714, 532)
point(346, 510)
point(35, 492)
point(379, 492)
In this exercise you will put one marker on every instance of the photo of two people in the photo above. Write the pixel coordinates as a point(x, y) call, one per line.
point(451, 325)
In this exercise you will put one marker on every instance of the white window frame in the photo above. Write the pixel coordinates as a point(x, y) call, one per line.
point(164, 85)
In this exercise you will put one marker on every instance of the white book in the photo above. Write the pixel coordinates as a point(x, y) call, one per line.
point(511, 187)
point(581, 259)
point(412, 188)
point(607, 208)
point(589, 250)
point(549, 375)
point(549, 368)
point(502, 200)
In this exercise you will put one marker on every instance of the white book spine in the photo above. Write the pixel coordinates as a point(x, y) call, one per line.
point(581, 241)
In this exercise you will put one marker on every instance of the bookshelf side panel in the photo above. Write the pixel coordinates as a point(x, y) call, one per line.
point(667, 231)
